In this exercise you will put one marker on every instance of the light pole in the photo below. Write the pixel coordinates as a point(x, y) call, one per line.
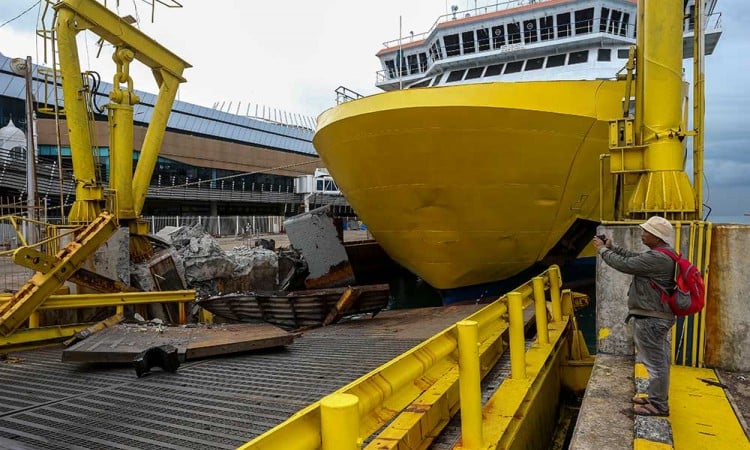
point(23, 67)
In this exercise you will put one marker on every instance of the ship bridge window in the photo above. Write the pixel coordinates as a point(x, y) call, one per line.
point(483, 39)
point(498, 36)
point(435, 51)
point(556, 60)
point(563, 25)
point(578, 57)
point(422, 62)
point(391, 68)
point(624, 25)
point(452, 47)
point(623, 53)
point(547, 28)
point(514, 67)
point(584, 21)
point(495, 69)
point(413, 67)
point(529, 31)
point(474, 72)
point(514, 33)
point(436, 80)
point(468, 38)
point(603, 20)
point(534, 64)
point(605, 54)
point(456, 75)
point(614, 22)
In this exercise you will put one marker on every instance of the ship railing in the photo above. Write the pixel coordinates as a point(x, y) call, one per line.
point(344, 94)
point(449, 17)
point(407, 401)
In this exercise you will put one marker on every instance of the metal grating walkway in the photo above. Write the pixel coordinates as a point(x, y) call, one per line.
point(215, 403)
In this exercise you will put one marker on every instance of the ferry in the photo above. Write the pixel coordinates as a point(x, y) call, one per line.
point(482, 158)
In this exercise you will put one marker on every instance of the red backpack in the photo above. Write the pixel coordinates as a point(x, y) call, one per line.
point(688, 296)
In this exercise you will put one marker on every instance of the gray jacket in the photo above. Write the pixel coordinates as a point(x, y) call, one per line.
point(643, 299)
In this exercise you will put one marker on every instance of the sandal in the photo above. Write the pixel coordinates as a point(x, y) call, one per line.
point(649, 410)
point(640, 400)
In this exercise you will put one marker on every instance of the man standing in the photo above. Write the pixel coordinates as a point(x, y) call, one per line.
point(652, 318)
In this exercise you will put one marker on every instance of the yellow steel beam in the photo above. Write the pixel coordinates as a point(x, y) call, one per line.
point(26, 300)
point(119, 33)
point(154, 137)
point(88, 192)
point(69, 301)
point(38, 336)
point(41, 262)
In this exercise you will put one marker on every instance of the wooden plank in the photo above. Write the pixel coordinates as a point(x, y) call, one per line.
point(122, 343)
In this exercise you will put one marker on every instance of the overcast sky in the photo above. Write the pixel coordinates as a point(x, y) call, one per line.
point(291, 55)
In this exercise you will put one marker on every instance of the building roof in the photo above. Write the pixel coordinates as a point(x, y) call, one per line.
point(185, 117)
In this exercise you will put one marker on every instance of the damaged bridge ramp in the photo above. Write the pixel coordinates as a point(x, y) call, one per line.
point(216, 403)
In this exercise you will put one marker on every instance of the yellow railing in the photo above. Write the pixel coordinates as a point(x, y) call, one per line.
point(34, 335)
point(416, 394)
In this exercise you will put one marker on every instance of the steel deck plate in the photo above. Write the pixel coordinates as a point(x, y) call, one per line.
point(121, 343)
point(214, 403)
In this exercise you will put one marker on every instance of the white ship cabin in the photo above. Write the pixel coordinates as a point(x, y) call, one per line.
point(321, 182)
point(525, 40)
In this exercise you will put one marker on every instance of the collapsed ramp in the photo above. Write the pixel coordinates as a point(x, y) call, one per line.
point(209, 404)
point(222, 402)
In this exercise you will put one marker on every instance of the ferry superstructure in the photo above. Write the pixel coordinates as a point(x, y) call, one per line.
point(483, 156)
point(528, 40)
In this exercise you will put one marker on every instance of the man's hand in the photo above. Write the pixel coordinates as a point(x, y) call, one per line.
point(599, 242)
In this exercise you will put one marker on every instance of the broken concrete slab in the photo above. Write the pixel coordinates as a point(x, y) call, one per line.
point(316, 236)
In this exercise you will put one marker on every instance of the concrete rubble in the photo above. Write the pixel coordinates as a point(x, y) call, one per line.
point(211, 271)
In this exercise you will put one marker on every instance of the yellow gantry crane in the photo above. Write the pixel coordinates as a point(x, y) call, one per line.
point(101, 214)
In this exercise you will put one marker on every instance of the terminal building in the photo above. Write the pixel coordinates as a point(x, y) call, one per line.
point(211, 162)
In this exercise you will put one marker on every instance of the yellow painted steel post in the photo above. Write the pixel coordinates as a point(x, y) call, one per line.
point(339, 422)
point(699, 103)
point(704, 270)
point(88, 194)
point(554, 293)
point(120, 309)
point(469, 380)
point(540, 308)
point(34, 320)
point(181, 314)
point(664, 185)
point(517, 342)
point(168, 85)
point(121, 134)
point(640, 44)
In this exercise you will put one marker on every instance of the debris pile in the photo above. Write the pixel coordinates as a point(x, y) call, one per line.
point(211, 271)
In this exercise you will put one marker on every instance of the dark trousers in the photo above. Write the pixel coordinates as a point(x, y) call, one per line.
point(651, 338)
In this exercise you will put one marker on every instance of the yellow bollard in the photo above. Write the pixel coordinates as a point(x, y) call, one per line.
point(554, 293)
point(469, 379)
point(540, 305)
point(339, 422)
point(120, 309)
point(517, 342)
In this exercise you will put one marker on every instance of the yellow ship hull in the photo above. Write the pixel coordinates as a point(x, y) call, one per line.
point(471, 184)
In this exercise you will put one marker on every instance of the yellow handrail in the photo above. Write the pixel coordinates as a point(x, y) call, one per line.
point(429, 378)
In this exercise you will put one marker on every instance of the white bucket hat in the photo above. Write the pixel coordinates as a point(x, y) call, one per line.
point(661, 228)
